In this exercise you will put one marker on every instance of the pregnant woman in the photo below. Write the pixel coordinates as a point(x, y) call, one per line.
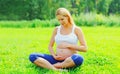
point(66, 37)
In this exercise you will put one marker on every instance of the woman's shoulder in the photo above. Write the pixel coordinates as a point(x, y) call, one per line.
point(55, 29)
point(78, 29)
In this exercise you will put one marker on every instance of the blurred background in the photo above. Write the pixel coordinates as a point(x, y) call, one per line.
point(37, 13)
point(26, 27)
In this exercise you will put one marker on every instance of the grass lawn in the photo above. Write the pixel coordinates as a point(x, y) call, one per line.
point(102, 57)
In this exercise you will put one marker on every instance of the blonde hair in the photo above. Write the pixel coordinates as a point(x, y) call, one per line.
point(64, 12)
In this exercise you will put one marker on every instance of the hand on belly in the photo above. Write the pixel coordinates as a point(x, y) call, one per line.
point(58, 57)
point(64, 53)
point(63, 45)
point(63, 50)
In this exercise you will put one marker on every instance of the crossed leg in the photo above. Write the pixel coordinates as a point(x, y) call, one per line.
point(67, 63)
point(44, 63)
point(74, 60)
point(40, 60)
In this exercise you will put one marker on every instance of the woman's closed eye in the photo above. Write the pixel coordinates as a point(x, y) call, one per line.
point(61, 19)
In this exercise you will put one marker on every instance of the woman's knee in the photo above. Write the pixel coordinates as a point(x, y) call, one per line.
point(78, 59)
point(32, 57)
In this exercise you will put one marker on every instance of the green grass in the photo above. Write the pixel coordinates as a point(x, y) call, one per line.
point(102, 57)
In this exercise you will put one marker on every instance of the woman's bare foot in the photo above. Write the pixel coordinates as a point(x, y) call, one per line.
point(57, 65)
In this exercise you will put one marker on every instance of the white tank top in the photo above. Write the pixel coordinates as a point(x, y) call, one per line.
point(70, 38)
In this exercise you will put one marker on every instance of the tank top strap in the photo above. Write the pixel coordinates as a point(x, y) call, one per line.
point(58, 30)
point(73, 29)
point(59, 27)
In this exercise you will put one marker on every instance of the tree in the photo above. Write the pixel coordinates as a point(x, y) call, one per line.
point(114, 7)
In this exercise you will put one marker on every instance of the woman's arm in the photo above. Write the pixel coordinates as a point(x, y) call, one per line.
point(50, 47)
point(83, 46)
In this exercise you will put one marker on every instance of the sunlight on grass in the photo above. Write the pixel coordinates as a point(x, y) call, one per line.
point(16, 45)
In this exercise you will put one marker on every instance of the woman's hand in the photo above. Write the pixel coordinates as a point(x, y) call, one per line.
point(63, 45)
point(57, 57)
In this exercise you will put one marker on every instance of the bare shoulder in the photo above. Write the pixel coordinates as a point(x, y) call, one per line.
point(55, 30)
point(78, 30)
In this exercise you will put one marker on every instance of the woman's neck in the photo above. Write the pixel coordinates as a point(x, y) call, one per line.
point(67, 25)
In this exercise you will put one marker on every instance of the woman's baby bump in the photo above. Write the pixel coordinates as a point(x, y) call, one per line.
point(63, 51)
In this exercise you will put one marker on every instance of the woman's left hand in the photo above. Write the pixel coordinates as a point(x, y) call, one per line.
point(63, 45)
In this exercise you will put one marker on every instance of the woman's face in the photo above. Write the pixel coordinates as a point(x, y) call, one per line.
point(62, 19)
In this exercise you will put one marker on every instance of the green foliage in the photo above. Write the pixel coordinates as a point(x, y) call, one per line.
point(88, 19)
point(29, 24)
point(16, 45)
point(103, 6)
point(85, 19)
point(111, 20)
point(114, 7)
point(45, 9)
point(92, 19)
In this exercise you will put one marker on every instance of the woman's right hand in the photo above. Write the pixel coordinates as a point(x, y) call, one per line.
point(57, 57)
point(63, 45)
